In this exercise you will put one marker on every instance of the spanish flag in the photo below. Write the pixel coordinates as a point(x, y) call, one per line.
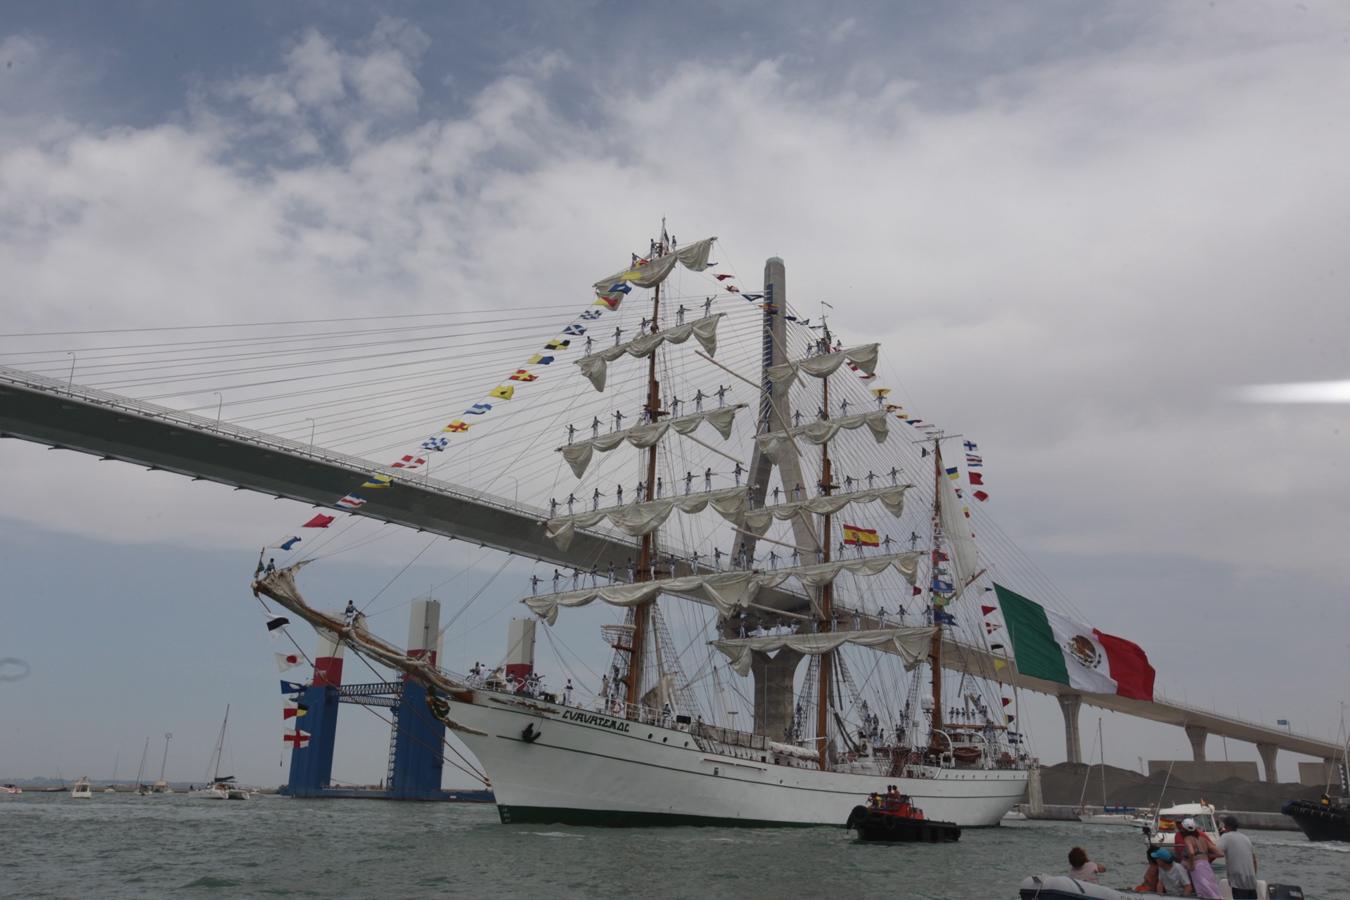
point(861, 537)
point(522, 375)
point(503, 392)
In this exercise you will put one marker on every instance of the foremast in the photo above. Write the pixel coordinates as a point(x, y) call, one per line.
point(642, 613)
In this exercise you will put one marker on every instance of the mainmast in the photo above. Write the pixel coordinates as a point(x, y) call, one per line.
point(826, 667)
point(935, 649)
point(643, 611)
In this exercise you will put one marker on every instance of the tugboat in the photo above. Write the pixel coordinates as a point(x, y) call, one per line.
point(893, 818)
point(1323, 820)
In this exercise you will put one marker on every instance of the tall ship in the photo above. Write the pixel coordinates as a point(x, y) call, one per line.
point(813, 553)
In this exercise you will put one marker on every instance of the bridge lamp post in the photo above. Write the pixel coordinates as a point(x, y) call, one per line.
point(219, 403)
point(312, 425)
point(70, 383)
point(517, 483)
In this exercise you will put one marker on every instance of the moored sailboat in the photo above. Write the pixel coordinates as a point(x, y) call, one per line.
point(219, 787)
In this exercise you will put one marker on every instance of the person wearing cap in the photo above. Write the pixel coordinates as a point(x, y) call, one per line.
point(1172, 877)
point(1241, 859)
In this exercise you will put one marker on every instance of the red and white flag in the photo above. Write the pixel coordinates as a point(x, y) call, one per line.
point(288, 660)
point(408, 462)
point(296, 739)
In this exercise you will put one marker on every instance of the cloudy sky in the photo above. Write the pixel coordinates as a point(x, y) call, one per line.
point(1078, 229)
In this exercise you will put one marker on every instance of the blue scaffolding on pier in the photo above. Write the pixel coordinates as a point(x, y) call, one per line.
point(415, 742)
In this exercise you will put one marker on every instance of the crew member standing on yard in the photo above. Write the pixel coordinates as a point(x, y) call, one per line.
point(1240, 857)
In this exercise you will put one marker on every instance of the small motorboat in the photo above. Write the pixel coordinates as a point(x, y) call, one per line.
point(893, 818)
point(81, 790)
point(10, 789)
point(1062, 887)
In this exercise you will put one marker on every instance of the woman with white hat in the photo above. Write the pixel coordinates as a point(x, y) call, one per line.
point(1200, 850)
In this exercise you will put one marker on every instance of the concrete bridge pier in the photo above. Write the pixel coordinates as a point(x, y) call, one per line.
point(1070, 704)
point(1197, 735)
point(774, 700)
point(1268, 752)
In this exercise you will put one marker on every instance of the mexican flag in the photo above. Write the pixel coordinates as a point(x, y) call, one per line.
point(1056, 648)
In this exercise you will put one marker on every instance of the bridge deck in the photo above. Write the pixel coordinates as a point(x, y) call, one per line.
point(39, 409)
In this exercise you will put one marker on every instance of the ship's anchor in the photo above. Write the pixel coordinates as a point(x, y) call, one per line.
point(530, 734)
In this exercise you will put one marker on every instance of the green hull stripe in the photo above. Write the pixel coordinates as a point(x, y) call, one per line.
point(605, 818)
point(1033, 640)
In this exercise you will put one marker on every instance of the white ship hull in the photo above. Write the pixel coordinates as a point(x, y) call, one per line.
point(589, 768)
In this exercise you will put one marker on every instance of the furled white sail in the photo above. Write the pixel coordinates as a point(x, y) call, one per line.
point(956, 530)
point(864, 356)
point(892, 497)
point(819, 431)
point(579, 454)
point(910, 644)
point(728, 591)
point(637, 519)
point(704, 330)
point(693, 256)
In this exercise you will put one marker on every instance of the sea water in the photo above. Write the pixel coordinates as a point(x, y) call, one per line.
point(124, 846)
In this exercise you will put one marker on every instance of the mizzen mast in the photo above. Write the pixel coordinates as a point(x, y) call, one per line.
point(826, 667)
point(935, 649)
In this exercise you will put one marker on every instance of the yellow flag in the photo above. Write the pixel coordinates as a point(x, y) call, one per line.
point(999, 665)
point(880, 391)
point(457, 425)
point(378, 481)
point(503, 392)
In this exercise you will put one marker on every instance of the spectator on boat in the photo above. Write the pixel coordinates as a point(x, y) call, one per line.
point(1150, 883)
point(1082, 868)
point(1200, 850)
point(349, 614)
point(272, 567)
point(1240, 857)
point(1172, 877)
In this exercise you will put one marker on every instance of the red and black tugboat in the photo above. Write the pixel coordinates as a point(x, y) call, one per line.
point(893, 817)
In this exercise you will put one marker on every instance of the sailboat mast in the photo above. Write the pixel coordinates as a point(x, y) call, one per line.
point(220, 744)
point(826, 667)
point(643, 611)
point(935, 649)
point(164, 760)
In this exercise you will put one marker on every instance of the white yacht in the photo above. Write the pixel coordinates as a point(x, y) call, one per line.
point(81, 790)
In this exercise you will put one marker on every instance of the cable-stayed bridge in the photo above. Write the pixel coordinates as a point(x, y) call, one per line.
point(63, 415)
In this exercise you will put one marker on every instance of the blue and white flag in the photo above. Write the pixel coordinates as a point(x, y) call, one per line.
point(435, 443)
point(575, 329)
point(285, 543)
point(591, 314)
point(943, 618)
point(290, 687)
point(478, 409)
